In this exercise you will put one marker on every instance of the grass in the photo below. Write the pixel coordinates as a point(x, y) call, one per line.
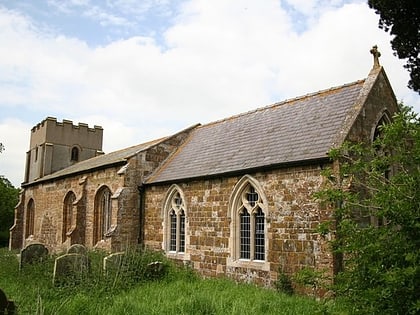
point(133, 291)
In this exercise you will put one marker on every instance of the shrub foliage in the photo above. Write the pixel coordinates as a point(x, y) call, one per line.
point(376, 224)
point(9, 197)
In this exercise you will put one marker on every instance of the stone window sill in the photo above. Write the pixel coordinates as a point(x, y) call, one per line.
point(178, 255)
point(246, 263)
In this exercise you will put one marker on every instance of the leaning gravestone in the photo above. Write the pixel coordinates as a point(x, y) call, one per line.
point(70, 268)
point(6, 306)
point(77, 249)
point(113, 262)
point(32, 253)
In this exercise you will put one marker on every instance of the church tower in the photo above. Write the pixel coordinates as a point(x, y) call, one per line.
point(57, 145)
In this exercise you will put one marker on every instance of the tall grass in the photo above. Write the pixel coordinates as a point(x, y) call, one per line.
point(131, 290)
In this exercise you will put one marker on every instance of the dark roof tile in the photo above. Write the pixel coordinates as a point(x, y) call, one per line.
point(294, 130)
point(99, 161)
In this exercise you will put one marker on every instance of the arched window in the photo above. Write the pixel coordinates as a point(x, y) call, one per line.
point(68, 213)
point(103, 214)
point(383, 120)
point(174, 221)
point(384, 167)
point(248, 221)
point(377, 135)
point(30, 218)
point(74, 154)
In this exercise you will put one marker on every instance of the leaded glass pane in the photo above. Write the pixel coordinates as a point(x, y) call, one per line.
point(252, 196)
point(245, 235)
point(178, 200)
point(172, 232)
point(182, 232)
point(259, 235)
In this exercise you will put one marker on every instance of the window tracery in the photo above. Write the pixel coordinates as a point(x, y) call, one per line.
point(248, 227)
point(175, 222)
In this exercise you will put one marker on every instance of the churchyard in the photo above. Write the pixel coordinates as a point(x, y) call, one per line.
point(134, 282)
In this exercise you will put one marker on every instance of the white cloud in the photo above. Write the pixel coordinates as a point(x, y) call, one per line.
point(14, 135)
point(219, 58)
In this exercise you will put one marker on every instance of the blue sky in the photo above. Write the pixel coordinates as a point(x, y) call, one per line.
point(146, 69)
point(99, 22)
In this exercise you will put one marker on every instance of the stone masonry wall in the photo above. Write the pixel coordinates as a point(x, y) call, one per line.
point(122, 180)
point(49, 200)
point(379, 100)
point(292, 219)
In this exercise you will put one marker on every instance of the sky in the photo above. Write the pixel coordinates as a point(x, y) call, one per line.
point(143, 69)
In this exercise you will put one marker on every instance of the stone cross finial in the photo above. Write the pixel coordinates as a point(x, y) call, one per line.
point(376, 54)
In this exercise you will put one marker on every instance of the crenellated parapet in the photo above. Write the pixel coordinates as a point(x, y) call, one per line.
point(52, 131)
point(55, 145)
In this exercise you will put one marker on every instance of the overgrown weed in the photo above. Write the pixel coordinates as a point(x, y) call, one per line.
point(132, 290)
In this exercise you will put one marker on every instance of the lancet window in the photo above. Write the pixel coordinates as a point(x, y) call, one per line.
point(175, 222)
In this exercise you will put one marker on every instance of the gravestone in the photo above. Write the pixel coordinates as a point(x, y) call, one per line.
point(77, 249)
point(70, 268)
point(155, 270)
point(113, 262)
point(6, 306)
point(32, 253)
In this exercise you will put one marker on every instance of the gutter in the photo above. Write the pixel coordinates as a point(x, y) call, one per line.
point(320, 161)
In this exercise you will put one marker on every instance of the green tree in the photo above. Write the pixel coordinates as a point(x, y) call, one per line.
point(402, 19)
point(9, 197)
point(376, 201)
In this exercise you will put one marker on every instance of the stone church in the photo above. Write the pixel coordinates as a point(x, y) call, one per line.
point(232, 197)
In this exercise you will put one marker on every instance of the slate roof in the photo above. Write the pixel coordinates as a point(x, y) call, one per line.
point(101, 161)
point(300, 129)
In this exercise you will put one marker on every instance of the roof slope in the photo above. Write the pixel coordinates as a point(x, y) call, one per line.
point(100, 161)
point(295, 130)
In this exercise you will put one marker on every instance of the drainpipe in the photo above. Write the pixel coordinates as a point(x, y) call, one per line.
point(140, 239)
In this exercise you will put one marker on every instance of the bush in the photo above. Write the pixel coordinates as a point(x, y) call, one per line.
point(376, 204)
point(310, 278)
point(284, 283)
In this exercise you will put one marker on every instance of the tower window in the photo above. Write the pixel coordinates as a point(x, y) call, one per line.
point(75, 154)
